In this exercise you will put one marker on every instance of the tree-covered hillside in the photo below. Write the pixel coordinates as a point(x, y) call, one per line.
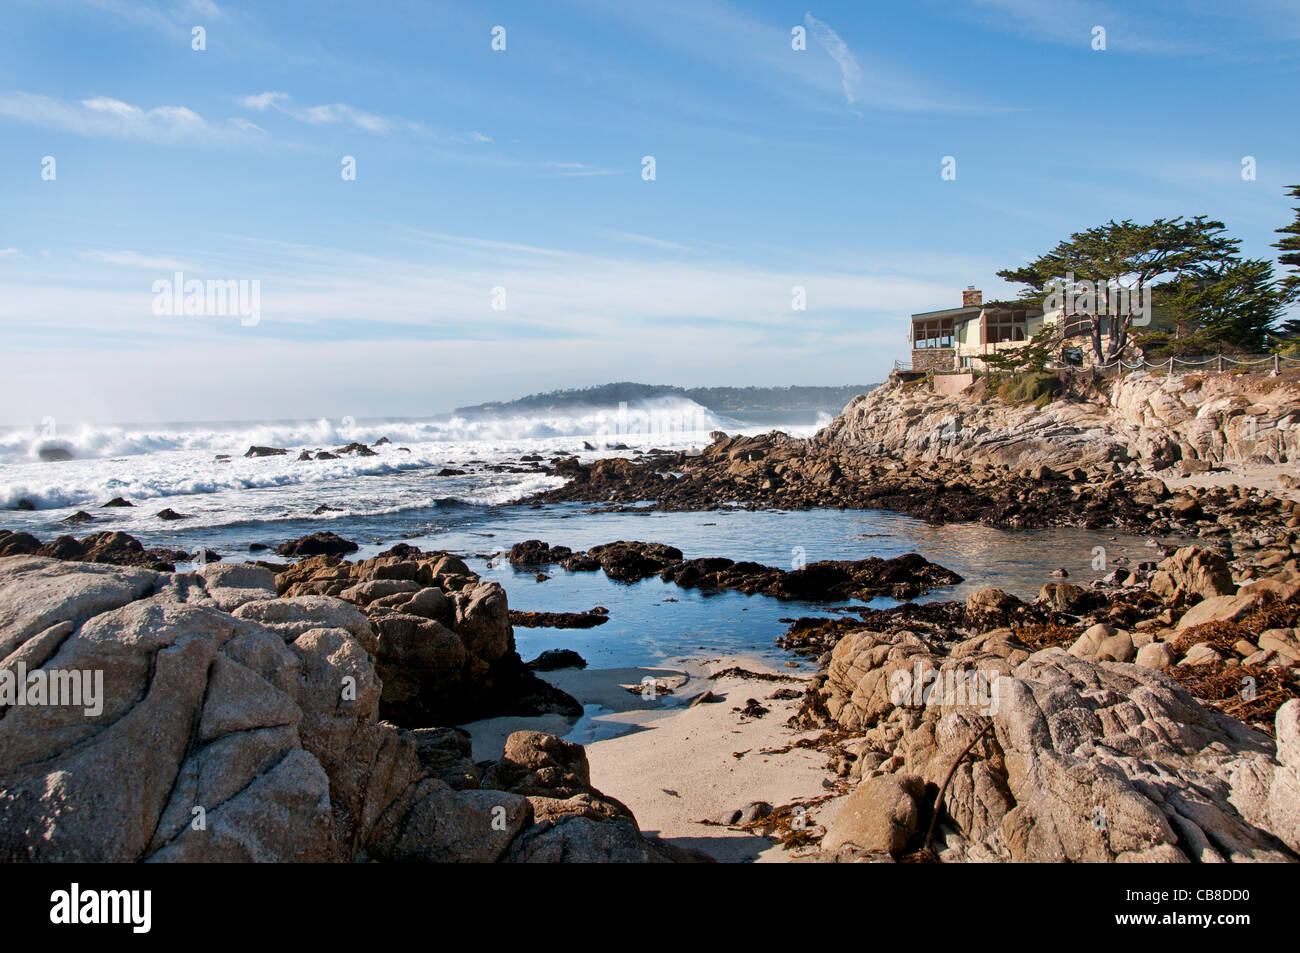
point(722, 400)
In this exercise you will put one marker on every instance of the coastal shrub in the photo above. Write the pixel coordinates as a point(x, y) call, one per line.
point(1036, 387)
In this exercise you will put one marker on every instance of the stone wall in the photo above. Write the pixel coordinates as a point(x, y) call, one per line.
point(932, 359)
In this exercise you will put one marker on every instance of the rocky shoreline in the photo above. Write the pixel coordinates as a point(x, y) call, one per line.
point(1102, 460)
point(307, 709)
point(1094, 699)
point(774, 471)
point(1162, 722)
point(1184, 666)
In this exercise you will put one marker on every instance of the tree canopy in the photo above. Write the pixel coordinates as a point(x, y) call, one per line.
point(1129, 252)
point(1289, 246)
point(1233, 306)
point(1186, 271)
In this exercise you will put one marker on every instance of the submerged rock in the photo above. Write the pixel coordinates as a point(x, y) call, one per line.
point(115, 548)
point(533, 552)
point(322, 543)
point(559, 620)
point(553, 659)
point(903, 577)
point(360, 449)
point(626, 561)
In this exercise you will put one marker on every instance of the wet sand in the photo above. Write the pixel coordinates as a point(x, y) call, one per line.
point(678, 767)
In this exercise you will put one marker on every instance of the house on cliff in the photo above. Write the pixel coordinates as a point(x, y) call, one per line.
point(956, 339)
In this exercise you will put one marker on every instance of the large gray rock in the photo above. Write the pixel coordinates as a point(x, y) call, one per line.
point(231, 575)
point(872, 674)
point(195, 745)
point(541, 764)
point(442, 640)
point(1158, 421)
point(245, 736)
point(555, 776)
point(1104, 643)
point(422, 664)
point(36, 592)
point(1193, 572)
point(483, 621)
point(1157, 655)
point(1085, 760)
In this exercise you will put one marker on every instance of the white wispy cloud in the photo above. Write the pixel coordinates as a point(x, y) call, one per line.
point(106, 116)
point(263, 101)
point(325, 113)
point(850, 71)
point(636, 239)
point(342, 112)
point(554, 291)
point(379, 321)
point(722, 35)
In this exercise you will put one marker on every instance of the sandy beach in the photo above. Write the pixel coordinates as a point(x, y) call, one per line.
point(682, 769)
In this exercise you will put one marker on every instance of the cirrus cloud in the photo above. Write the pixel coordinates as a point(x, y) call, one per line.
point(109, 117)
point(326, 113)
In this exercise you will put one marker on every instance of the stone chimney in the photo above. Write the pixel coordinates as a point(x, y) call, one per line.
point(970, 298)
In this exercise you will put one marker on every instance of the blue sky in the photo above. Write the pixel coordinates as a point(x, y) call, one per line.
point(522, 169)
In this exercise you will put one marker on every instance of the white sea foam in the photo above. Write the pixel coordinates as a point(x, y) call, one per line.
point(178, 463)
point(665, 419)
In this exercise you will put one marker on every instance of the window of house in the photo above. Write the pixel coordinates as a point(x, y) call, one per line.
point(998, 329)
point(1003, 326)
point(932, 334)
